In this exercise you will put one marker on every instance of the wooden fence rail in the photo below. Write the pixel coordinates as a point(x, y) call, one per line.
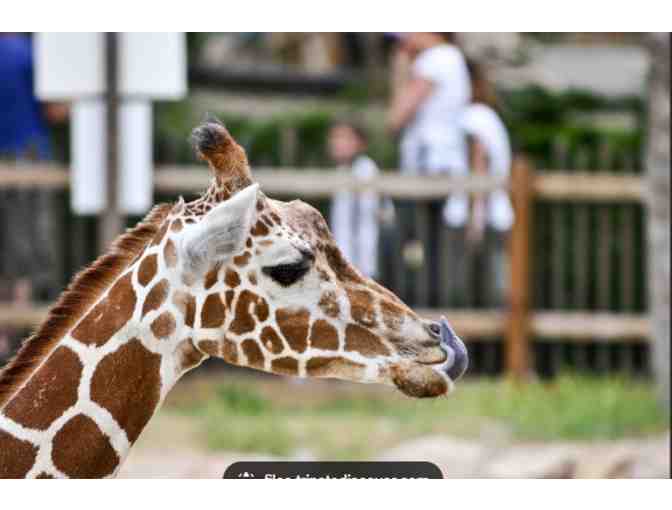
point(315, 183)
point(519, 323)
point(474, 325)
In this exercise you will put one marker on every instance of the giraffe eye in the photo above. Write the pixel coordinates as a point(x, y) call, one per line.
point(288, 274)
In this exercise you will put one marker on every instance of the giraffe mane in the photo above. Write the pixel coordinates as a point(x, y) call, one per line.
point(84, 290)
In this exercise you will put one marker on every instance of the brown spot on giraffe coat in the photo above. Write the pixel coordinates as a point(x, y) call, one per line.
point(210, 347)
point(228, 296)
point(211, 276)
point(176, 226)
point(323, 336)
point(164, 325)
point(255, 358)
point(186, 304)
point(231, 279)
point(242, 260)
point(260, 229)
point(329, 304)
point(81, 450)
point(49, 392)
point(147, 269)
point(16, 456)
point(364, 342)
point(229, 351)
point(286, 366)
point(127, 383)
point(293, 325)
point(249, 309)
point(252, 277)
point(213, 312)
point(109, 315)
point(271, 340)
point(188, 356)
point(156, 297)
point(393, 315)
point(361, 307)
point(324, 366)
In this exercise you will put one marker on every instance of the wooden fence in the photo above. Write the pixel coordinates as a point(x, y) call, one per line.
point(522, 325)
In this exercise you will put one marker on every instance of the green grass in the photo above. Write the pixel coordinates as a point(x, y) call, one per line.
point(342, 421)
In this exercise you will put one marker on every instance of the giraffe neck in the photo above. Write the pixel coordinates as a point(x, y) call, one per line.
point(81, 411)
point(91, 395)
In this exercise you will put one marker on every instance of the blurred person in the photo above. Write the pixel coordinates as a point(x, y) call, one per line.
point(491, 215)
point(24, 137)
point(355, 216)
point(425, 112)
point(24, 132)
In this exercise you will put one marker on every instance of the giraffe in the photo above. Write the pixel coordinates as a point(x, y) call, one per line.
point(234, 275)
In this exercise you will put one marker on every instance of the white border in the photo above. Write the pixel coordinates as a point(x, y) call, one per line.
point(350, 494)
point(341, 15)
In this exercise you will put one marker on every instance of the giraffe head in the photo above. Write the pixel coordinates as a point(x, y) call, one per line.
point(269, 289)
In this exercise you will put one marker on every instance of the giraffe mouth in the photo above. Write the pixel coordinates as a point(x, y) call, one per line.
point(422, 380)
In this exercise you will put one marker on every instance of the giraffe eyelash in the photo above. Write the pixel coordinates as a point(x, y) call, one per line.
point(288, 274)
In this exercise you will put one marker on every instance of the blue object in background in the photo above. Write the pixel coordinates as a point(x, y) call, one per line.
point(23, 129)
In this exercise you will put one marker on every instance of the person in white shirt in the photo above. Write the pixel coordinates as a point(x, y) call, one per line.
point(426, 108)
point(425, 112)
point(354, 216)
point(491, 216)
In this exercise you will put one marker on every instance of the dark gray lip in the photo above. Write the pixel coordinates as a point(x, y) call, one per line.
point(460, 355)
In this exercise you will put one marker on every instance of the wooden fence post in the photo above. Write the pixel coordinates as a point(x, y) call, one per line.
point(517, 346)
point(657, 164)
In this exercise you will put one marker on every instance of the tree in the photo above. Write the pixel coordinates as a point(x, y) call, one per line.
point(657, 164)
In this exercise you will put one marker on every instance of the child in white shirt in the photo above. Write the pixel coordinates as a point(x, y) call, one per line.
point(491, 216)
point(354, 216)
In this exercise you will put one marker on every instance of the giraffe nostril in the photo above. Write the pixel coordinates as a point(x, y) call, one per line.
point(435, 329)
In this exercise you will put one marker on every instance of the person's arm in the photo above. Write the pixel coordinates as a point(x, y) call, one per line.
point(400, 68)
point(478, 160)
point(406, 103)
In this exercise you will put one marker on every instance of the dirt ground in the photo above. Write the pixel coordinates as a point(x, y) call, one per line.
point(171, 448)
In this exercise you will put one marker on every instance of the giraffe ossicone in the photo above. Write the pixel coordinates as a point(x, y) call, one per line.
point(234, 274)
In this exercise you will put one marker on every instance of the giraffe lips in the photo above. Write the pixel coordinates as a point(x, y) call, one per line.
point(457, 357)
point(422, 380)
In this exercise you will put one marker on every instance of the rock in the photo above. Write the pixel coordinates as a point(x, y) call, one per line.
point(634, 458)
point(188, 464)
point(653, 460)
point(456, 458)
point(533, 461)
point(606, 462)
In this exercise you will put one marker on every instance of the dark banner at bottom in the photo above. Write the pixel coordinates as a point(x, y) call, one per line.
point(331, 470)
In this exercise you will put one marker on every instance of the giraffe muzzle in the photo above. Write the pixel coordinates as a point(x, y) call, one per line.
point(458, 357)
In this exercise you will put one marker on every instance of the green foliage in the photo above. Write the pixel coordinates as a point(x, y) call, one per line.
point(277, 418)
point(535, 117)
point(576, 407)
point(538, 118)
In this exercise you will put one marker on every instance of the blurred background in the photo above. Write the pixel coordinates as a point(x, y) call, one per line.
point(537, 221)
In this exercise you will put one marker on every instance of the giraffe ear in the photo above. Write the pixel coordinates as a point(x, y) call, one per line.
point(221, 233)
